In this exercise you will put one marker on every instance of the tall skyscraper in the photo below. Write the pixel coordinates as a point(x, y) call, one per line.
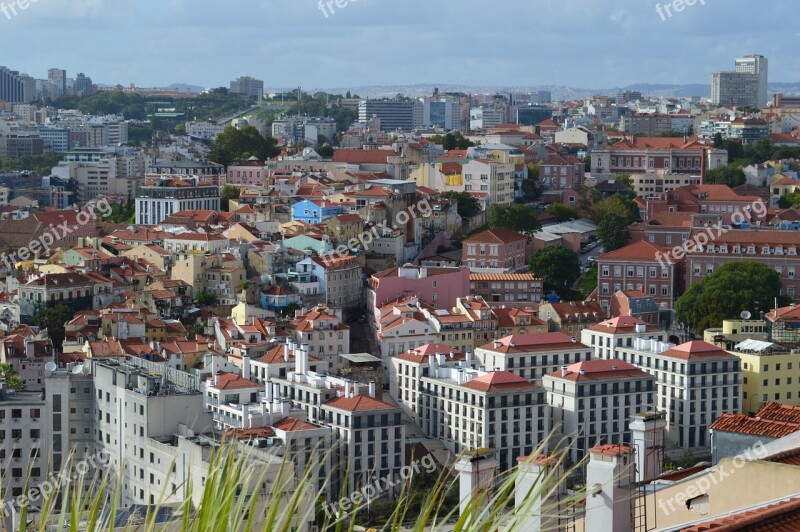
point(746, 86)
point(758, 65)
point(247, 86)
point(83, 85)
point(58, 77)
point(16, 87)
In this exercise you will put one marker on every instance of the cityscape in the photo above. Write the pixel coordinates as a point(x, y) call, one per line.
point(244, 286)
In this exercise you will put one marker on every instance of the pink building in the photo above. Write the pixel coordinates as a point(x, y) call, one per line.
point(496, 248)
point(439, 286)
point(251, 172)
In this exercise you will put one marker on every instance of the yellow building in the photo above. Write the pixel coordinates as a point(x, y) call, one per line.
point(444, 177)
point(770, 373)
point(733, 332)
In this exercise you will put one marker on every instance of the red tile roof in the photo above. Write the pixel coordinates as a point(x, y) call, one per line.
point(359, 403)
point(641, 251)
point(753, 426)
point(499, 381)
point(498, 235)
point(600, 369)
point(290, 424)
point(231, 381)
point(612, 450)
point(782, 516)
point(780, 412)
point(622, 325)
point(362, 156)
point(697, 349)
point(523, 343)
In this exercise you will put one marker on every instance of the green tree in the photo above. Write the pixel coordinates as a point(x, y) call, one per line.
point(53, 319)
point(563, 212)
point(730, 175)
point(229, 192)
point(468, 206)
point(790, 201)
point(531, 187)
point(205, 299)
point(725, 293)
point(13, 381)
point(517, 217)
point(613, 232)
point(623, 207)
point(237, 145)
point(558, 266)
point(624, 179)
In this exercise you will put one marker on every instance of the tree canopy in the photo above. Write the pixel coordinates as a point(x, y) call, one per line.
point(725, 293)
point(237, 145)
point(452, 141)
point(229, 192)
point(730, 175)
point(613, 232)
point(517, 217)
point(468, 206)
point(13, 381)
point(558, 266)
point(205, 298)
point(623, 207)
point(531, 187)
point(563, 212)
point(53, 319)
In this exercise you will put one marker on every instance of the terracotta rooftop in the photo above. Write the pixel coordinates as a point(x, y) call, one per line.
point(600, 369)
point(753, 426)
point(695, 350)
point(290, 424)
point(498, 235)
point(612, 450)
point(782, 516)
point(641, 251)
point(231, 381)
point(523, 343)
point(359, 403)
point(499, 381)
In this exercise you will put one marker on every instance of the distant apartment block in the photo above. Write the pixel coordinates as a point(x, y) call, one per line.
point(394, 115)
point(247, 86)
point(166, 196)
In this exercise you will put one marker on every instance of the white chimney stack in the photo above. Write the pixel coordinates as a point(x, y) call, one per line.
point(610, 478)
point(268, 391)
point(532, 475)
point(372, 389)
point(214, 374)
point(476, 475)
point(246, 416)
point(246, 367)
point(647, 434)
point(286, 352)
point(563, 371)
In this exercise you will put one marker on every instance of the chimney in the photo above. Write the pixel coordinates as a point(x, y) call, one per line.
point(304, 358)
point(246, 416)
point(286, 348)
point(298, 361)
point(214, 374)
point(610, 476)
point(245, 367)
point(647, 434)
point(476, 472)
point(372, 389)
point(563, 371)
point(29, 347)
point(535, 478)
point(276, 394)
point(268, 391)
point(432, 365)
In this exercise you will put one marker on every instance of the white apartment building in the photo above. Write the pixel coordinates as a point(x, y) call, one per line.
point(23, 437)
point(204, 130)
point(325, 335)
point(532, 356)
point(468, 409)
point(696, 381)
point(592, 401)
point(165, 196)
point(490, 181)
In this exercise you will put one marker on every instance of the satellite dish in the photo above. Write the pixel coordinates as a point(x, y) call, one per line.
point(49, 368)
point(78, 369)
point(746, 315)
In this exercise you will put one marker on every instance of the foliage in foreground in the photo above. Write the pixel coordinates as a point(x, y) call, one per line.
point(224, 504)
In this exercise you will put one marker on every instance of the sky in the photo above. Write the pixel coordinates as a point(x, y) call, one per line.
point(289, 43)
